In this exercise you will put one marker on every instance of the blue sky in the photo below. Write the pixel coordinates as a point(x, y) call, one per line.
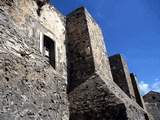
point(130, 27)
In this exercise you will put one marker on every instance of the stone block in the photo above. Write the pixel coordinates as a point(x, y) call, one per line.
point(85, 48)
point(121, 75)
point(138, 97)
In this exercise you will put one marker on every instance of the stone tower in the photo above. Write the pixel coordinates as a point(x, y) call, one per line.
point(138, 97)
point(86, 50)
point(121, 75)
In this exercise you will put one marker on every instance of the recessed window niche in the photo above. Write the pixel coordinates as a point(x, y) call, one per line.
point(48, 50)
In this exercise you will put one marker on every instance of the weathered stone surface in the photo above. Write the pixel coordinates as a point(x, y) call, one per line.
point(30, 89)
point(32, 27)
point(92, 92)
point(86, 51)
point(152, 104)
point(152, 97)
point(101, 100)
point(100, 55)
point(79, 53)
point(121, 75)
point(138, 97)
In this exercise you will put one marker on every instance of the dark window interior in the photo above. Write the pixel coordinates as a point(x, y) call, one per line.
point(153, 97)
point(49, 50)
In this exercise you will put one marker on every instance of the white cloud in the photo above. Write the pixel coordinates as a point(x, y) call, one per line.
point(145, 87)
point(156, 86)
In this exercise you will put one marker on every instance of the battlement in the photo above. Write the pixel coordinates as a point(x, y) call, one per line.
point(138, 97)
point(121, 74)
point(85, 48)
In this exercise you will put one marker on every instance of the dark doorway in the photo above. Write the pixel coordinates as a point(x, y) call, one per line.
point(49, 50)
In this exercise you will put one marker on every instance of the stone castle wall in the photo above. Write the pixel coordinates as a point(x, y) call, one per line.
point(32, 89)
point(138, 97)
point(79, 53)
point(152, 104)
point(95, 96)
point(121, 74)
point(100, 55)
point(23, 14)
